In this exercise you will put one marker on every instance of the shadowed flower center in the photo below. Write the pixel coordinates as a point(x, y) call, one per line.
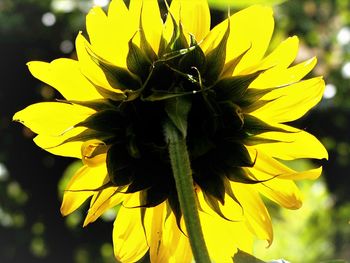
point(194, 91)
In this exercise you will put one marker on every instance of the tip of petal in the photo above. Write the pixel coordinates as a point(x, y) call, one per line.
point(261, 8)
point(65, 210)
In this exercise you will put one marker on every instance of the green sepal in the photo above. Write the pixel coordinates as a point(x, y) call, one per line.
point(238, 175)
point(256, 105)
point(90, 134)
point(118, 77)
point(254, 140)
point(254, 95)
point(200, 145)
point(177, 109)
point(132, 147)
point(144, 44)
point(175, 207)
point(137, 62)
point(133, 94)
point(213, 203)
point(229, 192)
point(115, 96)
point(119, 166)
point(255, 126)
point(196, 58)
point(216, 58)
point(98, 189)
point(151, 197)
point(244, 257)
point(235, 154)
point(105, 121)
point(178, 39)
point(231, 65)
point(236, 118)
point(235, 88)
point(162, 46)
point(97, 105)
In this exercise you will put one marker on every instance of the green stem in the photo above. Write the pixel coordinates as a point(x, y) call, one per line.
point(180, 164)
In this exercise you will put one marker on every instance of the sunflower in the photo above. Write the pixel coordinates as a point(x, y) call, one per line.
point(136, 75)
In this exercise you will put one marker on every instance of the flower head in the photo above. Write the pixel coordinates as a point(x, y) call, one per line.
point(218, 88)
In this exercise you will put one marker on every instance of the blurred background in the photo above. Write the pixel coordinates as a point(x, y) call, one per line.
point(32, 181)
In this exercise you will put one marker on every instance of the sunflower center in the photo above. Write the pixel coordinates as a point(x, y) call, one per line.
point(198, 94)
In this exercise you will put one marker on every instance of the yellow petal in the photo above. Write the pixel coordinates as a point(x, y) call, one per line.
point(194, 16)
point(101, 202)
point(154, 224)
point(257, 217)
point(283, 192)
point(250, 29)
point(108, 35)
point(279, 76)
point(175, 246)
point(87, 66)
point(52, 118)
point(53, 144)
point(270, 167)
point(280, 57)
point(231, 209)
point(292, 101)
point(151, 20)
point(294, 145)
point(64, 75)
point(82, 186)
point(224, 237)
point(129, 239)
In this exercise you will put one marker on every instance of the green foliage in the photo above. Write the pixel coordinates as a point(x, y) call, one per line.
point(225, 4)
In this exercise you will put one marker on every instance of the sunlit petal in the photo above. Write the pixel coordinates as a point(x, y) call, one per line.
point(83, 185)
point(129, 238)
point(300, 97)
point(52, 118)
point(64, 75)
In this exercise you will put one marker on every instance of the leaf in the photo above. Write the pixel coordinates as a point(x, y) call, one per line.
point(225, 4)
point(244, 257)
point(177, 109)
